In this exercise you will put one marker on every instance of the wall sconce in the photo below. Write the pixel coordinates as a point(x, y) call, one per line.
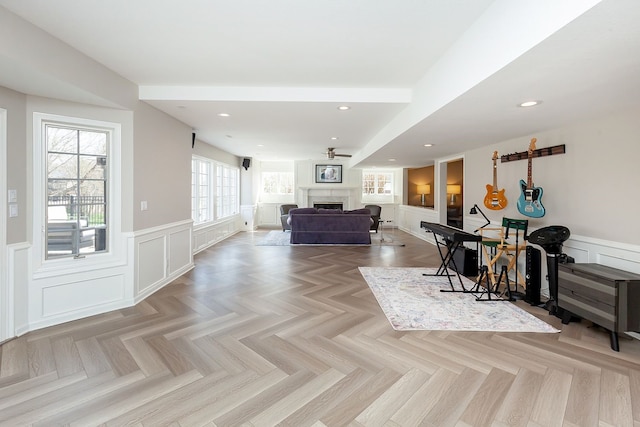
point(454, 189)
point(422, 190)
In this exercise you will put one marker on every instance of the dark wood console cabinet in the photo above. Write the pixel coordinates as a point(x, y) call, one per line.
point(606, 296)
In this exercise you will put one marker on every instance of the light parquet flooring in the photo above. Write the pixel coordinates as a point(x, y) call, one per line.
point(292, 336)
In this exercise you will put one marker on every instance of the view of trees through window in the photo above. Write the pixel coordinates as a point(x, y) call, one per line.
point(214, 190)
point(227, 187)
point(277, 182)
point(76, 190)
point(200, 191)
point(377, 183)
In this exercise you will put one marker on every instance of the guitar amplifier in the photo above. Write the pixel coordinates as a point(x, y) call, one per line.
point(532, 278)
point(466, 260)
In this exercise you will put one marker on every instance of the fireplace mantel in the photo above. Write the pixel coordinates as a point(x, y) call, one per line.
point(345, 195)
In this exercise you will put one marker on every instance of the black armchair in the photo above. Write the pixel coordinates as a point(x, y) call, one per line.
point(284, 216)
point(375, 216)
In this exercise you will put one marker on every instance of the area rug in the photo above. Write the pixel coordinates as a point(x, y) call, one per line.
point(281, 238)
point(412, 301)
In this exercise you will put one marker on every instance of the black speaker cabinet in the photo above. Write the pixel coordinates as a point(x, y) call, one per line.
point(466, 260)
point(533, 279)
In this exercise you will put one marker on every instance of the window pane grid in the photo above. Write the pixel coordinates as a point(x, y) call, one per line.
point(215, 183)
point(76, 191)
point(377, 183)
point(277, 182)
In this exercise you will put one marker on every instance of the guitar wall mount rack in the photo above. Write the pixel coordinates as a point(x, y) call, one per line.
point(540, 152)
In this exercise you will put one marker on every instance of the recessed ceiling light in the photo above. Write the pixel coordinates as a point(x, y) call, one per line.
point(529, 103)
point(392, 160)
point(223, 114)
point(260, 145)
point(334, 138)
point(428, 145)
point(344, 108)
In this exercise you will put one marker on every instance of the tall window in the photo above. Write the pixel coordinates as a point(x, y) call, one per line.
point(214, 190)
point(227, 182)
point(277, 182)
point(201, 191)
point(377, 183)
point(77, 188)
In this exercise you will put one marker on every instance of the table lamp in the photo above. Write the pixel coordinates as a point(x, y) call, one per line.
point(423, 190)
point(454, 189)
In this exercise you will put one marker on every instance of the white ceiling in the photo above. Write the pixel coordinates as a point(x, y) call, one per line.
point(447, 72)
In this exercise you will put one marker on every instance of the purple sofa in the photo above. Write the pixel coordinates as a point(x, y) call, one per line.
point(330, 226)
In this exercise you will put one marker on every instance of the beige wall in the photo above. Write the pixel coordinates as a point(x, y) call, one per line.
point(205, 150)
point(161, 168)
point(16, 175)
point(589, 189)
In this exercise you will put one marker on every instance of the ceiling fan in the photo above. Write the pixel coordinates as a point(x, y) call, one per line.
point(331, 153)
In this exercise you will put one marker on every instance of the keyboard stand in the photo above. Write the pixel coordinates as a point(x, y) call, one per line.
point(447, 258)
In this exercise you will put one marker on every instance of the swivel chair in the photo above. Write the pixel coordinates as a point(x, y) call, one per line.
point(375, 216)
point(284, 215)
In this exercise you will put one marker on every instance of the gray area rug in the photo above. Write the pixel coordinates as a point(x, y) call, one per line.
point(412, 301)
point(281, 238)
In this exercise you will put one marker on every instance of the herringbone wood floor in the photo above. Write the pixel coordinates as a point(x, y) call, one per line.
point(263, 336)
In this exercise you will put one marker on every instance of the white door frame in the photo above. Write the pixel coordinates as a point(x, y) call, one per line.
point(442, 186)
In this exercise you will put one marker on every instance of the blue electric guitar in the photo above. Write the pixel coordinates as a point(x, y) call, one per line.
point(530, 200)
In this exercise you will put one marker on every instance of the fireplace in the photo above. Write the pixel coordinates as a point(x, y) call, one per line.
point(345, 196)
point(327, 205)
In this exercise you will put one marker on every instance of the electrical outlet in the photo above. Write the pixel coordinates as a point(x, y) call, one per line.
point(143, 205)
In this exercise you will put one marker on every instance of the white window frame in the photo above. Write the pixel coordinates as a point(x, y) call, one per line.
point(227, 188)
point(379, 198)
point(43, 266)
point(224, 190)
point(282, 179)
point(196, 162)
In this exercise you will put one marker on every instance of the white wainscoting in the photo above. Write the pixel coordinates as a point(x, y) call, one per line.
point(613, 254)
point(88, 288)
point(140, 264)
point(162, 255)
point(583, 249)
point(210, 234)
point(68, 297)
point(269, 214)
point(18, 256)
point(409, 218)
point(248, 218)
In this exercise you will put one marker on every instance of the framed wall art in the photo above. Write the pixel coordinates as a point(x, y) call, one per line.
point(329, 174)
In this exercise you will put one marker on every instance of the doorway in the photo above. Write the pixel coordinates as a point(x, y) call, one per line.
point(455, 193)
